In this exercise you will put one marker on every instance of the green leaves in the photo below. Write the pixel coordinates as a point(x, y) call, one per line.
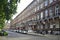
point(7, 9)
point(10, 8)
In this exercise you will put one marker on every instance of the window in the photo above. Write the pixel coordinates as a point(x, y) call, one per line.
point(50, 12)
point(41, 15)
point(38, 1)
point(46, 26)
point(32, 18)
point(57, 25)
point(50, 1)
point(30, 7)
point(54, 25)
point(37, 7)
point(41, 26)
point(57, 10)
point(41, 6)
point(46, 2)
point(46, 13)
point(51, 26)
point(35, 10)
point(37, 16)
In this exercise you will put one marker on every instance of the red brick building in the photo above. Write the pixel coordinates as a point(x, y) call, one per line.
point(40, 15)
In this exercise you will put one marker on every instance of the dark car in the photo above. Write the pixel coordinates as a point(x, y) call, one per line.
point(3, 33)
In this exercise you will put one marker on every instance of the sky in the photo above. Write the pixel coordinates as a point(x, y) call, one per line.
point(21, 6)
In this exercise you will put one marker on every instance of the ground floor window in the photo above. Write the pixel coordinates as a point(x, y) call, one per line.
point(51, 26)
point(57, 25)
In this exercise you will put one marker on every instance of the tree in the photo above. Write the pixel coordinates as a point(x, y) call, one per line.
point(7, 9)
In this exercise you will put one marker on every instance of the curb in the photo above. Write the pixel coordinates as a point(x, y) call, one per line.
point(36, 35)
point(41, 35)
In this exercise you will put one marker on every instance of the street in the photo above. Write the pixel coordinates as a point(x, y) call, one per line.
point(18, 36)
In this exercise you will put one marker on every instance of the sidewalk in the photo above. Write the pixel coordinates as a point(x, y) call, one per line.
point(46, 35)
point(52, 37)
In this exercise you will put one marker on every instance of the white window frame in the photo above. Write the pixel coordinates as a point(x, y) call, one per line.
point(41, 15)
point(35, 18)
point(46, 2)
point(41, 6)
point(37, 7)
point(57, 24)
point(51, 26)
point(56, 10)
point(50, 12)
point(46, 13)
point(38, 16)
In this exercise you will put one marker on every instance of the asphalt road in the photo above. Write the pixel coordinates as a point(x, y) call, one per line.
point(17, 36)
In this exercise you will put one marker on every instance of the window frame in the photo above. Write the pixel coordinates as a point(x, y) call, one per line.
point(46, 13)
point(46, 3)
point(42, 15)
point(51, 11)
point(38, 16)
point(41, 5)
point(57, 9)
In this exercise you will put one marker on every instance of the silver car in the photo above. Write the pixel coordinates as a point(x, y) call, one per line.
point(24, 32)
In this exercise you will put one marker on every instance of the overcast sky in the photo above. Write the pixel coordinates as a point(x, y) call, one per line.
point(21, 6)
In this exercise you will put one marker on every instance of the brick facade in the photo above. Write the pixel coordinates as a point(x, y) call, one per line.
point(40, 15)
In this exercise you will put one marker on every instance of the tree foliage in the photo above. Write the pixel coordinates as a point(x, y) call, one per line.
point(7, 9)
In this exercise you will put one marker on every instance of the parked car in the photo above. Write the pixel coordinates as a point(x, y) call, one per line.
point(14, 30)
point(24, 31)
point(19, 31)
point(3, 33)
point(56, 32)
point(30, 31)
point(43, 32)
